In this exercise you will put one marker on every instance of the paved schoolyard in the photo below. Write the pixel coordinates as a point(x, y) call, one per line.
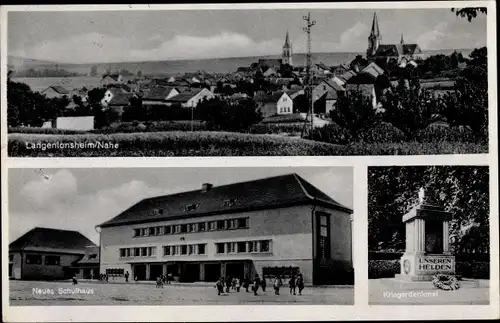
point(23, 293)
point(388, 291)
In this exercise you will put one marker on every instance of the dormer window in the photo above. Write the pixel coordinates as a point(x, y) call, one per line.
point(93, 256)
point(229, 202)
point(190, 207)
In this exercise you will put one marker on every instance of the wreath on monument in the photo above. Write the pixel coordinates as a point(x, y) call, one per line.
point(445, 282)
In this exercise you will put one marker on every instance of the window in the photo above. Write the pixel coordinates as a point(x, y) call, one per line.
point(137, 252)
point(252, 246)
point(229, 202)
point(168, 229)
point(166, 251)
point(264, 246)
point(122, 253)
point(177, 229)
point(242, 247)
point(33, 259)
point(128, 253)
point(115, 271)
point(151, 251)
point(174, 250)
point(191, 207)
point(231, 247)
point(137, 232)
point(201, 249)
point(183, 250)
point(191, 249)
point(212, 225)
point(190, 227)
point(144, 251)
point(52, 260)
point(324, 248)
point(151, 231)
point(184, 228)
point(220, 248)
point(242, 223)
point(221, 224)
point(144, 232)
point(201, 226)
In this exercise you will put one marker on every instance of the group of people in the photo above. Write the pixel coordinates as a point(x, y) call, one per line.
point(162, 280)
point(235, 283)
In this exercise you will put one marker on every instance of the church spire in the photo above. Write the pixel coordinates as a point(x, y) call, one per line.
point(375, 30)
point(287, 40)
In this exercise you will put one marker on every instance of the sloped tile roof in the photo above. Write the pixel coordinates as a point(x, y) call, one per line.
point(184, 96)
point(158, 93)
point(52, 239)
point(59, 89)
point(261, 194)
point(121, 99)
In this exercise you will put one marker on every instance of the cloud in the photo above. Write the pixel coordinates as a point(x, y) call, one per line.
point(433, 37)
point(353, 34)
point(58, 204)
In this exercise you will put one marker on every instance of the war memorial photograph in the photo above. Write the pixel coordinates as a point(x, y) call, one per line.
point(428, 235)
point(300, 82)
point(185, 236)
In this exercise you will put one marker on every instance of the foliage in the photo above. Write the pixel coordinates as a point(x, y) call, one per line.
point(332, 133)
point(463, 190)
point(152, 126)
point(46, 72)
point(276, 128)
point(223, 116)
point(354, 112)
point(382, 132)
point(445, 134)
point(466, 269)
point(470, 13)
point(47, 131)
point(408, 107)
point(473, 269)
point(383, 268)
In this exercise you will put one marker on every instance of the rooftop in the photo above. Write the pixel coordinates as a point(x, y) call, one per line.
point(52, 239)
point(261, 194)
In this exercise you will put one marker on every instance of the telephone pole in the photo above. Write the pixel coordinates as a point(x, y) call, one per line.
point(310, 111)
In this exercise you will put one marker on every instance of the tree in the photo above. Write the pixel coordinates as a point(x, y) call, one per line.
point(470, 13)
point(222, 116)
point(94, 99)
point(408, 107)
point(463, 190)
point(354, 112)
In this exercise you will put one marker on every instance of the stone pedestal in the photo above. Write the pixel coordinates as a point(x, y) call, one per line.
point(427, 241)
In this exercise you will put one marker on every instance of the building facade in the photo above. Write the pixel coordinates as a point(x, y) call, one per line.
point(279, 225)
point(44, 253)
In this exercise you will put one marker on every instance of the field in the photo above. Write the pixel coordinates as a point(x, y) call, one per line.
point(21, 294)
point(206, 143)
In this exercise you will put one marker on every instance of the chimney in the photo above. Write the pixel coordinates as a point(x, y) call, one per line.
point(206, 187)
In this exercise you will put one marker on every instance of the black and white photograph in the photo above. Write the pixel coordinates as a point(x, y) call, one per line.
point(181, 236)
point(429, 235)
point(247, 82)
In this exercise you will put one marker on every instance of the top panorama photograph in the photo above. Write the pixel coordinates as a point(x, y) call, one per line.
point(247, 82)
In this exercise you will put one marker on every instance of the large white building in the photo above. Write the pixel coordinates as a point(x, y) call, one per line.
point(278, 225)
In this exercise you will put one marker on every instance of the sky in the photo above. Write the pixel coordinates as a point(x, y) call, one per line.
point(79, 199)
point(121, 36)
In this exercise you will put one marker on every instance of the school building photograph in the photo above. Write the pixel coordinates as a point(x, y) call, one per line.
point(194, 226)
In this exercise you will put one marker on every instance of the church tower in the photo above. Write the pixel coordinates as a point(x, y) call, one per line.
point(375, 38)
point(287, 51)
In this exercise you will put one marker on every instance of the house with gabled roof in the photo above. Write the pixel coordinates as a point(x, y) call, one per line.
point(191, 98)
point(46, 253)
point(281, 225)
point(159, 95)
point(55, 91)
point(276, 103)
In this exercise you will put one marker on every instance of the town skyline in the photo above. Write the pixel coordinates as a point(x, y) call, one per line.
point(133, 36)
point(80, 199)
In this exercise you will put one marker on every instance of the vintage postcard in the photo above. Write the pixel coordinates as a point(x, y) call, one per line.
point(249, 162)
point(257, 82)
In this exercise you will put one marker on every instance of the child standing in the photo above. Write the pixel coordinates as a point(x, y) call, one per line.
point(291, 284)
point(300, 283)
point(220, 286)
point(277, 284)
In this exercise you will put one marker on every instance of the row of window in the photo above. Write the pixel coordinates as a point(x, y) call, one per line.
point(243, 247)
point(285, 110)
point(115, 272)
point(192, 207)
point(200, 249)
point(231, 224)
point(138, 252)
point(37, 260)
point(192, 249)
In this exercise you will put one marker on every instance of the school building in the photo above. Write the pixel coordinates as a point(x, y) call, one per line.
point(46, 253)
point(277, 225)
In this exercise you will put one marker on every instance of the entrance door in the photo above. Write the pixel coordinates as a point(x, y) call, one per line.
point(191, 273)
point(140, 272)
point(155, 271)
point(235, 269)
point(212, 272)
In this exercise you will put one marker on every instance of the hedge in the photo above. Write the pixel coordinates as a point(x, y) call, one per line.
point(383, 132)
point(445, 134)
point(276, 128)
point(332, 133)
point(150, 126)
point(46, 131)
point(389, 268)
point(204, 143)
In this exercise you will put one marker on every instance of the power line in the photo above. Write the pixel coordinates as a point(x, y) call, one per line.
point(310, 111)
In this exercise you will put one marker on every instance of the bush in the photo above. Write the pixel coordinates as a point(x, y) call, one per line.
point(275, 128)
point(46, 131)
point(474, 269)
point(383, 268)
point(149, 126)
point(442, 134)
point(332, 133)
point(384, 255)
point(383, 132)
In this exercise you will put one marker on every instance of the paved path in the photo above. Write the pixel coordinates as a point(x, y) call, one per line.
point(388, 291)
point(22, 293)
